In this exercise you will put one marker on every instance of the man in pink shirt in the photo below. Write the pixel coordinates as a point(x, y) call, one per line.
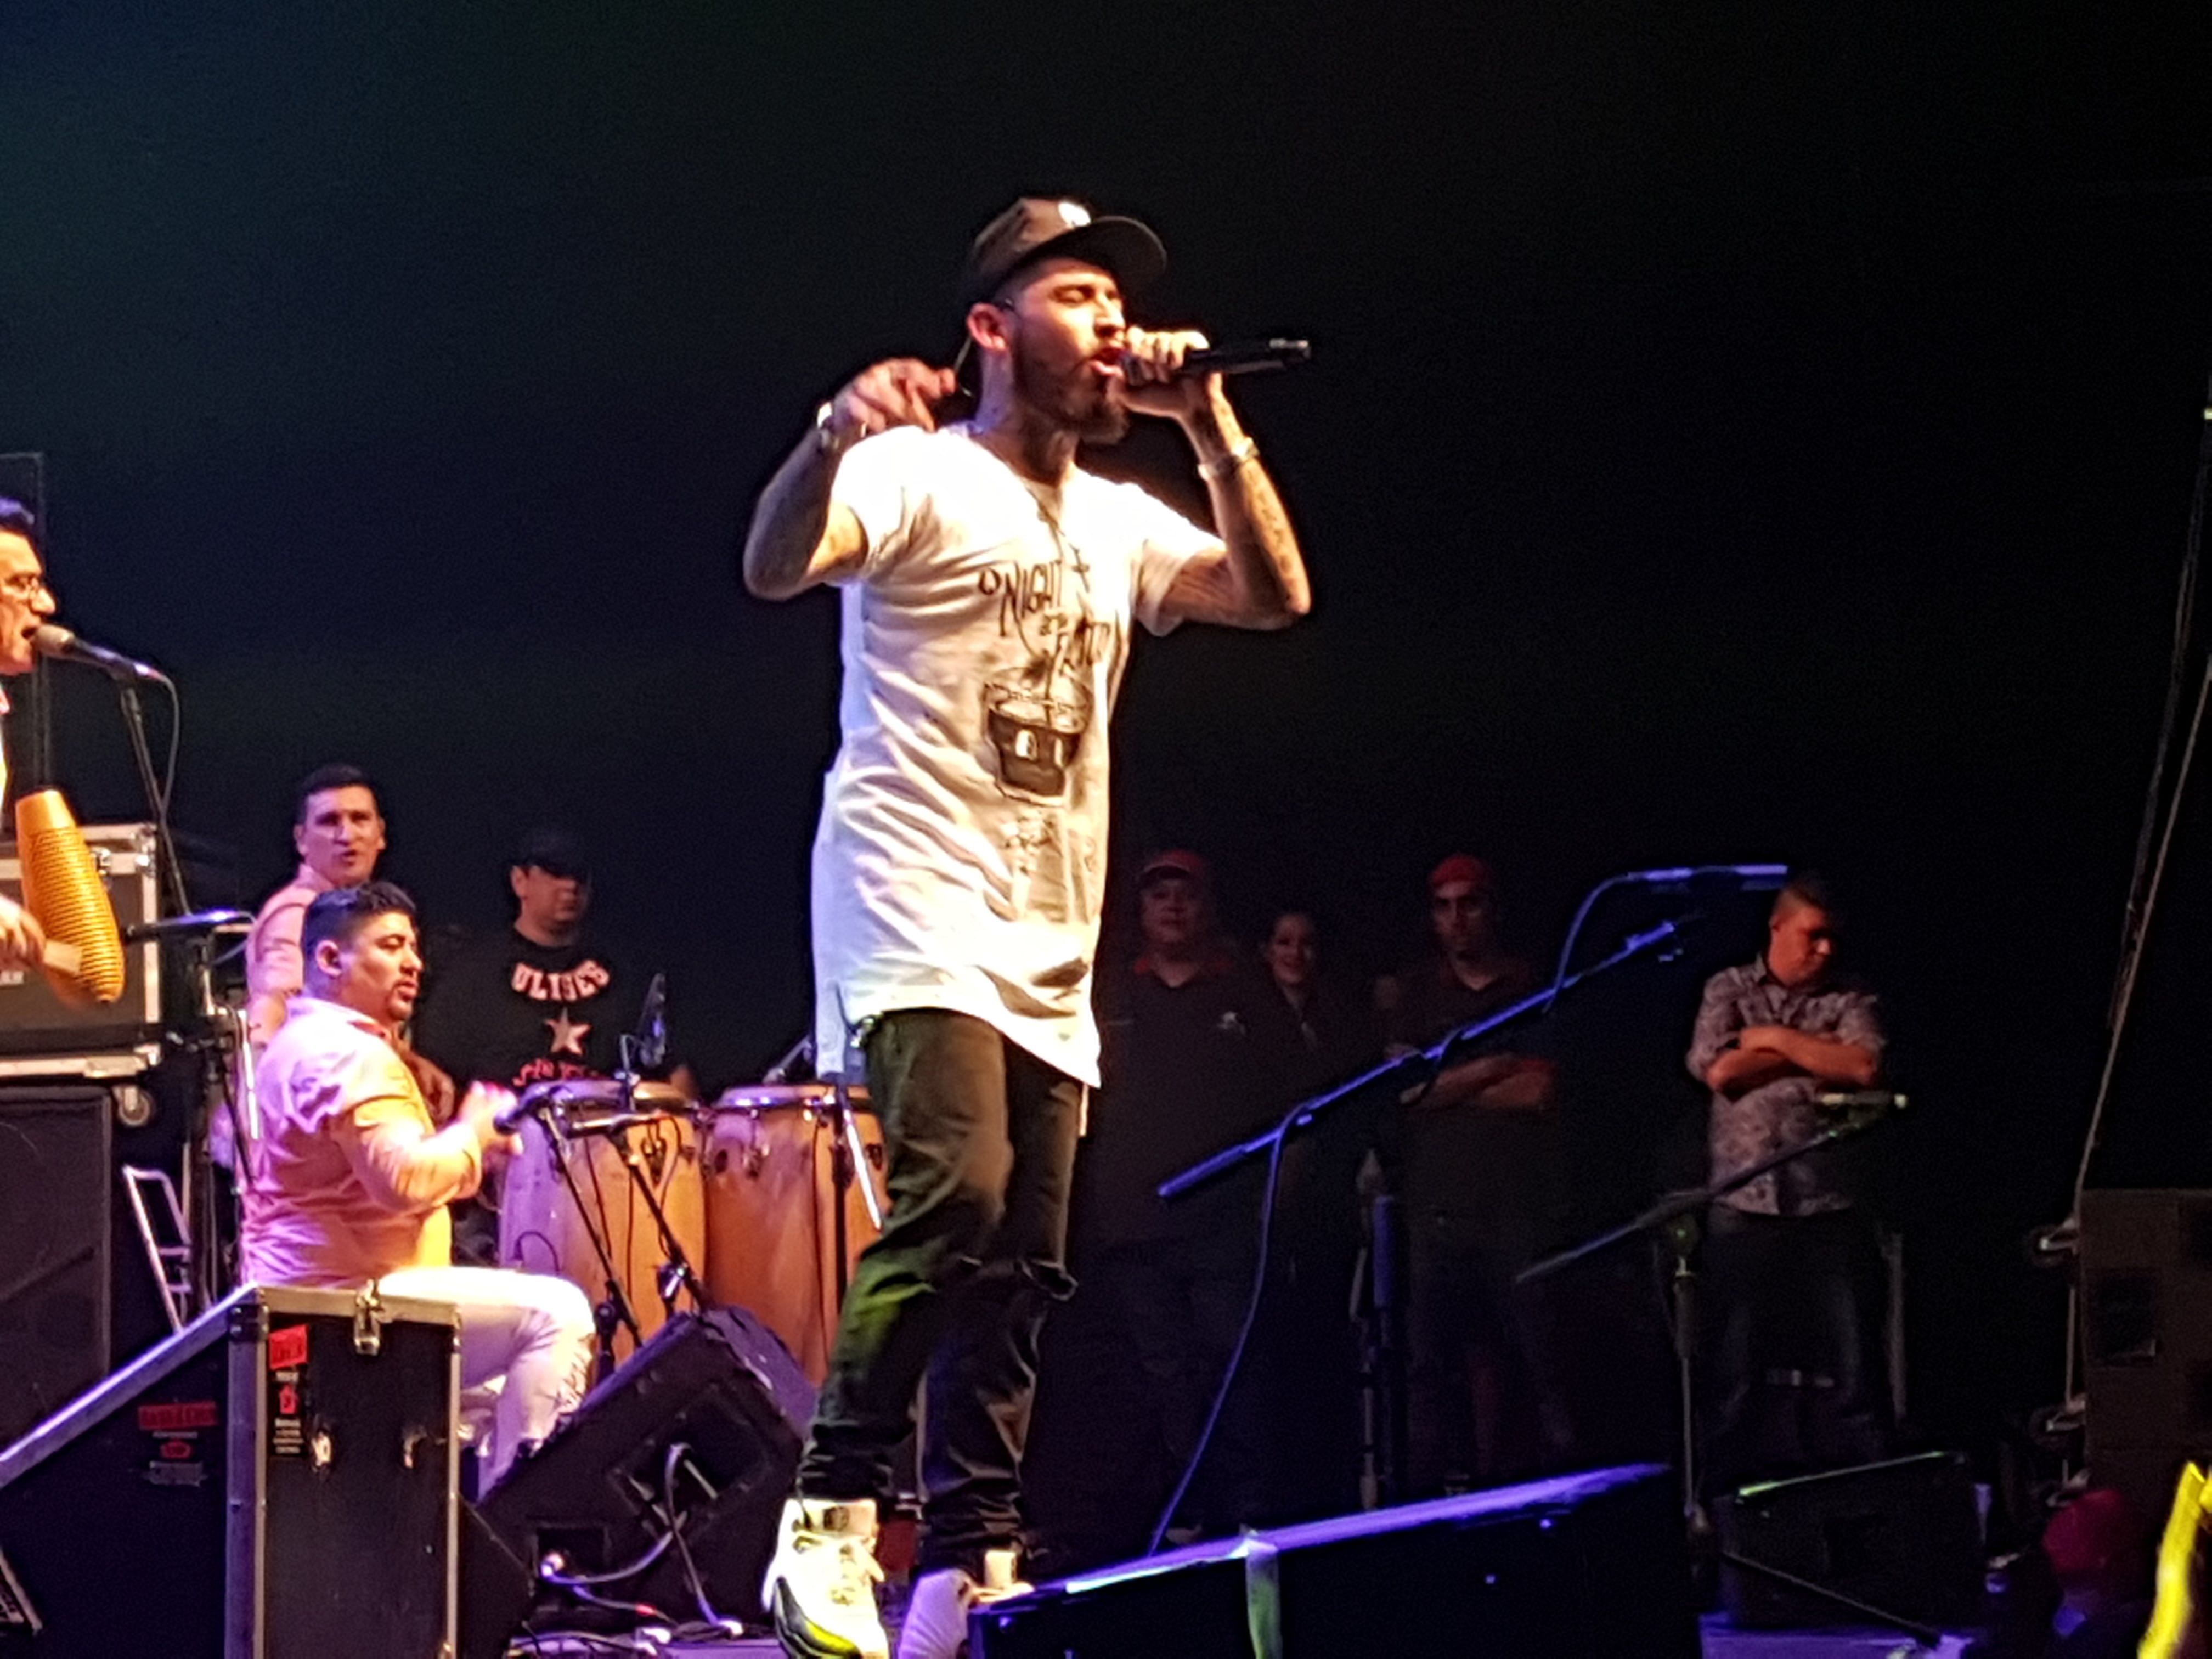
point(349, 1181)
point(339, 833)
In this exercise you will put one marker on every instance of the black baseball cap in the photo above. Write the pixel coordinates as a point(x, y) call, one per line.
point(1039, 226)
point(555, 851)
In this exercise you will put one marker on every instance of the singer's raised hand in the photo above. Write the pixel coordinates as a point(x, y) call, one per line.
point(1151, 383)
point(22, 941)
point(898, 391)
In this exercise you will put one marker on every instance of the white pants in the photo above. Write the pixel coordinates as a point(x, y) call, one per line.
point(526, 1340)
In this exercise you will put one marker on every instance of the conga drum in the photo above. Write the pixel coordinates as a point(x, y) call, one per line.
point(542, 1230)
point(772, 1208)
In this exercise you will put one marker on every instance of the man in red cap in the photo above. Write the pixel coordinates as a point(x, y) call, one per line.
point(989, 586)
point(1475, 1159)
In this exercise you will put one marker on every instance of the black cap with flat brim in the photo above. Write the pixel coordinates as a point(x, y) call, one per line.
point(1041, 227)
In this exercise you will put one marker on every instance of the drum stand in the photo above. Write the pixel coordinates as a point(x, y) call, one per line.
point(848, 1158)
point(612, 1313)
point(677, 1275)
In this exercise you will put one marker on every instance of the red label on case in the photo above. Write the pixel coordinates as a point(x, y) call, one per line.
point(179, 1418)
point(287, 1347)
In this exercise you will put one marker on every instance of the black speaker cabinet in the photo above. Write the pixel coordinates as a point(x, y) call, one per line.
point(2146, 1272)
point(705, 1421)
point(281, 1477)
point(55, 1270)
point(1591, 1566)
point(1903, 1536)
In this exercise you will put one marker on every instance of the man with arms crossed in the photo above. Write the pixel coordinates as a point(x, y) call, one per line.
point(1789, 1256)
point(989, 588)
point(349, 1183)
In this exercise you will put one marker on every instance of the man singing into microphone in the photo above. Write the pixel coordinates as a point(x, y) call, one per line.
point(25, 602)
point(989, 585)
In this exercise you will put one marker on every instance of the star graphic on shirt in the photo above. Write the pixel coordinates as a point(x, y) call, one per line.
point(568, 1035)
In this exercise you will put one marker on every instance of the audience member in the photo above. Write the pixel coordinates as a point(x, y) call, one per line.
point(1186, 1072)
point(1318, 1036)
point(1475, 1158)
point(1790, 1259)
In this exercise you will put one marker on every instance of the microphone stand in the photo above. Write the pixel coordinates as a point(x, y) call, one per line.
point(1676, 1217)
point(1412, 1070)
point(612, 1313)
point(1408, 1071)
point(214, 1038)
point(676, 1273)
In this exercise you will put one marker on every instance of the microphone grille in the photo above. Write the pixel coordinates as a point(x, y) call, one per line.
point(63, 889)
point(51, 639)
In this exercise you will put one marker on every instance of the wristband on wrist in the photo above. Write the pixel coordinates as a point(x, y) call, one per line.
point(828, 441)
point(1227, 461)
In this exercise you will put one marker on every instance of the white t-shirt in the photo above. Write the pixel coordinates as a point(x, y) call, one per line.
point(961, 860)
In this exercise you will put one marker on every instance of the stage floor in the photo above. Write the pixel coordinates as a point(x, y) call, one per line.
point(1720, 1642)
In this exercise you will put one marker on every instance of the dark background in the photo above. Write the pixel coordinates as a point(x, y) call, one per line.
point(1737, 432)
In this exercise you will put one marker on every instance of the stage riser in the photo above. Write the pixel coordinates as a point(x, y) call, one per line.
point(1591, 1567)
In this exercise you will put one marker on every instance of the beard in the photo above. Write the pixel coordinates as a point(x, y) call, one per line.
point(1076, 400)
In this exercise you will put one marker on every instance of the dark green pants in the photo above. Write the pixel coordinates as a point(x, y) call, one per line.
point(981, 1138)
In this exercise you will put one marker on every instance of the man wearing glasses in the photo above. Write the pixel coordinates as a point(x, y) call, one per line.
point(25, 601)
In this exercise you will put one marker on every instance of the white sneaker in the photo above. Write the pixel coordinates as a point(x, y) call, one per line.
point(820, 1582)
point(936, 1625)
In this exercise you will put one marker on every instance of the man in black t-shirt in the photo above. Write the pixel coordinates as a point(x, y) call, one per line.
point(1188, 1070)
point(1475, 1159)
point(535, 1003)
point(542, 1001)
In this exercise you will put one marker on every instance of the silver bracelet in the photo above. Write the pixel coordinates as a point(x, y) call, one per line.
point(1227, 461)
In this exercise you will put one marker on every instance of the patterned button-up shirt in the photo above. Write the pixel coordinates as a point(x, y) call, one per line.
point(1761, 1121)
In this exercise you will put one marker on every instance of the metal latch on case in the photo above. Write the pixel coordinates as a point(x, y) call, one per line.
point(369, 1317)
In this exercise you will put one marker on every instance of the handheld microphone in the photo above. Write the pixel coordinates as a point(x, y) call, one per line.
point(1246, 357)
point(51, 640)
point(1741, 877)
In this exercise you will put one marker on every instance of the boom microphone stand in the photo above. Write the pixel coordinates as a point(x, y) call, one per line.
point(1676, 1217)
point(1409, 1073)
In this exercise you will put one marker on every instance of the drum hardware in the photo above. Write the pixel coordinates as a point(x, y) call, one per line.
point(612, 1108)
point(847, 1158)
point(783, 1222)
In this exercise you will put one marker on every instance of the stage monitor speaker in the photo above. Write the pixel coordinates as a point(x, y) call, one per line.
point(2146, 1269)
point(1903, 1536)
point(56, 1167)
point(281, 1477)
point(706, 1418)
point(1590, 1566)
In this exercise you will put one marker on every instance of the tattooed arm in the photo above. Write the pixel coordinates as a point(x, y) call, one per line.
point(1257, 579)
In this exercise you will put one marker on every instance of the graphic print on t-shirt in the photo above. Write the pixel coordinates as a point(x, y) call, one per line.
point(513, 1012)
point(1036, 715)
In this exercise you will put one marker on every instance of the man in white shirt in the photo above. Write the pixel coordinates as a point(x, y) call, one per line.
point(988, 586)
